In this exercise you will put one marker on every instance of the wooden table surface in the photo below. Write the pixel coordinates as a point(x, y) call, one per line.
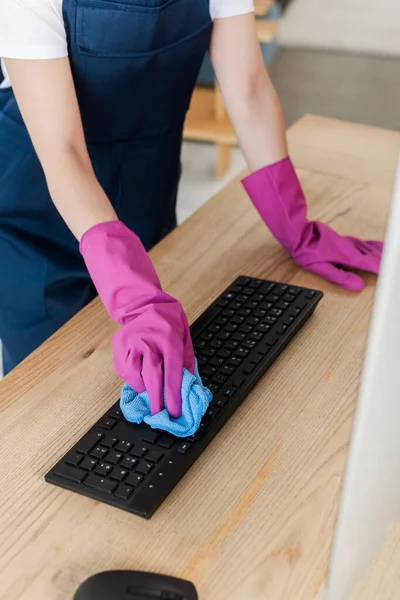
point(254, 518)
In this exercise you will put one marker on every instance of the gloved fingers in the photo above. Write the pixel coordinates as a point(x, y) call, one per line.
point(370, 263)
point(189, 359)
point(367, 247)
point(173, 373)
point(347, 280)
point(128, 360)
point(152, 375)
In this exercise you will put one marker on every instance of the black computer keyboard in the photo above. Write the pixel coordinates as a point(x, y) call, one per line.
point(134, 467)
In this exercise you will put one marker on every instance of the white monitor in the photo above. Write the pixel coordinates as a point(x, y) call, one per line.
point(370, 503)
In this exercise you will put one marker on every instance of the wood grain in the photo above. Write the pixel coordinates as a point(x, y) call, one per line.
point(254, 519)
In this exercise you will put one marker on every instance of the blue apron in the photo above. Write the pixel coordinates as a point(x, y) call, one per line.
point(135, 64)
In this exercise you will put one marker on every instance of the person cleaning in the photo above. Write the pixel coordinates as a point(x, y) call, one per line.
point(91, 115)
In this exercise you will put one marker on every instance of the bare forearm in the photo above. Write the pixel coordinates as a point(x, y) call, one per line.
point(77, 194)
point(259, 124)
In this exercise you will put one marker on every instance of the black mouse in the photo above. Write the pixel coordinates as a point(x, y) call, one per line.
point(135, 585)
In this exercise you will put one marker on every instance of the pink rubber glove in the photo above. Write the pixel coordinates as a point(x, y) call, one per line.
point(154, 344)
point(277, 195)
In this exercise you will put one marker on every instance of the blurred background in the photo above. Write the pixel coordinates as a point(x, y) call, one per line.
point(336, 58)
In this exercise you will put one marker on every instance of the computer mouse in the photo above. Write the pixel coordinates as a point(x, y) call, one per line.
point(135, 585)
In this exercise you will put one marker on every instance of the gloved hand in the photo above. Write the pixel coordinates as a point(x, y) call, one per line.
point(154, 344)
point(277, 195)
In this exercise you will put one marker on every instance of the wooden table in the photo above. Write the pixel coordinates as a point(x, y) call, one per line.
point(254, 519)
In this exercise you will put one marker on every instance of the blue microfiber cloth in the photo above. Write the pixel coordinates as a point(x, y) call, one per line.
point(195, 400)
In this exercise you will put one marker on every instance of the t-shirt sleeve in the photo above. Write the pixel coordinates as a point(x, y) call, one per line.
point(230, 8)
point(32, 29)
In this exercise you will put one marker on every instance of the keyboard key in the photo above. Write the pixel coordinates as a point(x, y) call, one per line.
point(275, 312)
point(89, 463)
point(228, 312)
point(103, 469)
point(217, 361)
point(258, 297)
point(238, 380)
point(216, 344)
point(115, 413)
point(280, 330)
point(229, 296)
point(282, 305)
point(300, 304)
point(230, 391)
point(167, 441)
point(241, 352)
point(227, 370)
point(269, 320)
point(71, 473)
point(128, 462)
point(154, 456)
point(144, 467)
point(109, 441)
point(241, 280)
point(235, 361)
point(266, 287)
point(107, 423)
point(134, 480)
point(124, 492)
point(184, 447)
point(101, 484)
point(249, 344)
point(263, 327)
point(252, 321)
point(208, 352)
point(199, 345)
point(241, 298)
point(222, 401)
point(256, 283)
point(213, 387)
point(211, 413)
point(206, 337)
point(222, 303)
point(244, 312)
point(287, 320)
point(224, 354)
point(208, 370)
point(231, 345)
point(89, 441)
point(256, 335)
point(237, 320)
point(202, 361)
point(272, 298)
point(288, 298)
point(246, 329)
point(221, 321)
point(294, 291)
point(257, 357)
point(73, 459)
point(215, 328)
point(150, 436)
point(231, 327)
point(224, 335)
point(219, 379)
point(248, 291)
point(235, 305)
point(280, 289)
point(251, 305)
point(139, 451)
point(119, 474)
point(259, 313)
point(114, 457)
point(311, 294)
point(249, 368)
point(265, 306)
point(124, 446)
point(99, 452)
point(239, 337)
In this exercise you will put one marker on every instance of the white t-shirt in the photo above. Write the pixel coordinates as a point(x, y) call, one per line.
point(34, 29)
